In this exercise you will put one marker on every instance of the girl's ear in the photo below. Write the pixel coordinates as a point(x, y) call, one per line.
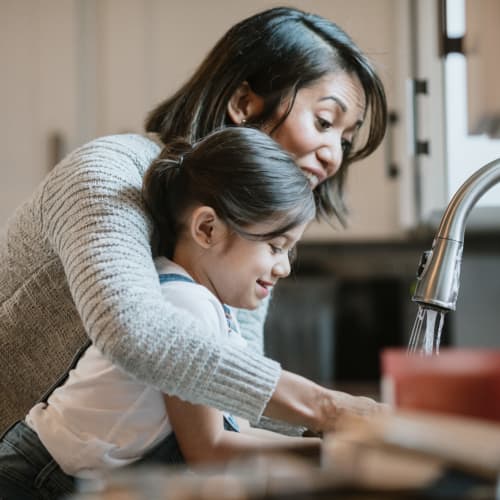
point(205, 226)
point(244, 104)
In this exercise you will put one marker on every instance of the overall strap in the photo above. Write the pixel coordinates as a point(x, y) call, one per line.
point(166, 278)
point(170, 277)
point(229, 318)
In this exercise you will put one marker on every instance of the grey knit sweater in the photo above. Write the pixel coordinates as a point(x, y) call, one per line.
point(75, 261)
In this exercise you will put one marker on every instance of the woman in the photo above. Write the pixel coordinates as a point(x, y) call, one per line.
point(76, 258)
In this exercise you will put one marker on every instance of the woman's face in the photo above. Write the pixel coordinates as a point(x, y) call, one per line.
point(321, 125)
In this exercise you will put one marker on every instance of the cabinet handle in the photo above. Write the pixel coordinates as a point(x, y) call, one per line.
point(56, 149)
point(415, 88)
point(392, 168)
point(416, 147)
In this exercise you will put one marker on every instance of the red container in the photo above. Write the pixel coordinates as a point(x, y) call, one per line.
point(457, 381)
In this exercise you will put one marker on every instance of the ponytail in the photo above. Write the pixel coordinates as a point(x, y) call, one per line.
point(162, 190)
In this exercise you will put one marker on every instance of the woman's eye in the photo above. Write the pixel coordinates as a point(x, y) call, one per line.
point(275, 249)
point(346, 145)
point(324, 124)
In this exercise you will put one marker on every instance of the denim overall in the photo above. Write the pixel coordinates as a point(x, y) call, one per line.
point(28, 471)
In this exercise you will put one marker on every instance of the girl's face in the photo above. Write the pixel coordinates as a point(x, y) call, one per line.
point(241, 272)
point(322, 124)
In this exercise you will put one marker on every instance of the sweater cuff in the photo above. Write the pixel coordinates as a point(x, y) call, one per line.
point(242, 383)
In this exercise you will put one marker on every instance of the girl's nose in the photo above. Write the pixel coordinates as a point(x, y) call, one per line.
point(281, 269)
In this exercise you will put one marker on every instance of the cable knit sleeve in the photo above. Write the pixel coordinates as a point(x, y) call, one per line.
point(95, 221)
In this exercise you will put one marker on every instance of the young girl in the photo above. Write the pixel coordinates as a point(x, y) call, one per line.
point(228, 213)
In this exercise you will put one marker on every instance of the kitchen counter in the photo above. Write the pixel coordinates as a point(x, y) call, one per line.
point(434, 457)
point(159, 484)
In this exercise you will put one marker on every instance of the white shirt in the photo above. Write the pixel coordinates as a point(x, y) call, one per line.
point(102, 417)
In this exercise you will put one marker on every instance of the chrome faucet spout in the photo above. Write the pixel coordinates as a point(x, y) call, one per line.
point(438, 275)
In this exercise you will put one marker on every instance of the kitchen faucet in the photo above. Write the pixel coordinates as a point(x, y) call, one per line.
point(438, 274)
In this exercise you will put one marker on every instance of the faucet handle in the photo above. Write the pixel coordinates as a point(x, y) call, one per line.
point(438, 275)
point(423, 262)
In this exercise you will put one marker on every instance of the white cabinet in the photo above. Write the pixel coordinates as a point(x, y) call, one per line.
point(84, 68)
point(38, 92)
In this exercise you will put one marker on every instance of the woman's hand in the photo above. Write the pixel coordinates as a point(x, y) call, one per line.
point(336, 404)
point(300, 401)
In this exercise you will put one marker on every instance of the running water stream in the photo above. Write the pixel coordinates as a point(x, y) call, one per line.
point(426, 333)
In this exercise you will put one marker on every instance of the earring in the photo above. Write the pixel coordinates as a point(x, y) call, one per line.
point(243, 122)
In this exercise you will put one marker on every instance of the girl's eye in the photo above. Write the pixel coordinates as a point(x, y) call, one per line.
point(324, 124)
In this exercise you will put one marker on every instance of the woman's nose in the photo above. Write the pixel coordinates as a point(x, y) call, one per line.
point(281, 269)
point(330, 157)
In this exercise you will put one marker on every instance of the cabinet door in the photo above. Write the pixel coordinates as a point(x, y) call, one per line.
point(380, 204)
point(38, 93)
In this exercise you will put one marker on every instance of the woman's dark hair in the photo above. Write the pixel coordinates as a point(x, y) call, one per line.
point(243, 174)
point(278, 52)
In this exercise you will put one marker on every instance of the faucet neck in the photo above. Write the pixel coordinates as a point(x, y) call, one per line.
point(455, 217)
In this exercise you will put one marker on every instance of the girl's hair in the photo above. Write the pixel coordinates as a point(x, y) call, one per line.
point(278, 52)
point(243, 174)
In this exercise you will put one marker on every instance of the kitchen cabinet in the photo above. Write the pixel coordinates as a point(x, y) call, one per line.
point(78, 69)
point(444, 111)
point(38, 92)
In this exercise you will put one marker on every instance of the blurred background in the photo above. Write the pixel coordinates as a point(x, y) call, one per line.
point(72, 70)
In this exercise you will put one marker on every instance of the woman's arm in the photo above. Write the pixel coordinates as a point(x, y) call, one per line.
point(94, 218)
point(300, 401)
point(202, 438)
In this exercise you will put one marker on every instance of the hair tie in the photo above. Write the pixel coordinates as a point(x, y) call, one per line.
point(171, 163)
